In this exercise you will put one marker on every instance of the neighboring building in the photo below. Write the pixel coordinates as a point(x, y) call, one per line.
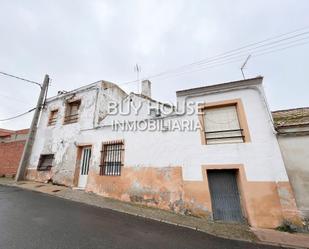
point(293, 136)
point(222, 162)
point(11, 149)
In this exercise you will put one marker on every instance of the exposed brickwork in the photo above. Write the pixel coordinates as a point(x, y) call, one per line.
point(10, 154)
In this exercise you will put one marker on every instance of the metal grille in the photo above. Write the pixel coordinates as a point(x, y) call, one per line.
point(45, 162)
point(222, 125)
point(225, 134)
point(112, 158)
point(85, 161)
point(224, 195)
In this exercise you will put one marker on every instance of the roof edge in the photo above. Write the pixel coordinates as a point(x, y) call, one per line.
point(221, 86)
point(291, 109)
point(85, 88)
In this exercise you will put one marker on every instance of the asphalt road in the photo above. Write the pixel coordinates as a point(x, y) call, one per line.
point(34, 220)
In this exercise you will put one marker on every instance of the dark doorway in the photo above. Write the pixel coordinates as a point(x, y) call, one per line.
point(224, 195)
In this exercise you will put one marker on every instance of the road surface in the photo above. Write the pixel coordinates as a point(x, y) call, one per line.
point(35, 220)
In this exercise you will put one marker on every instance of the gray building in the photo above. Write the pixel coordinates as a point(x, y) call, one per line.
point(293, 136)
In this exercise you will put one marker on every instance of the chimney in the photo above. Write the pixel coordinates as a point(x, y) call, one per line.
point(146, 88)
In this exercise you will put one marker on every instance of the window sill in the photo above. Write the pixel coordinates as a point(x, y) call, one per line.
point(225, 143)
point(72, 122)
point(43, 170)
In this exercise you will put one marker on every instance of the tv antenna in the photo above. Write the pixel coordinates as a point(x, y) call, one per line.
point(243, 66)
point(137, 69)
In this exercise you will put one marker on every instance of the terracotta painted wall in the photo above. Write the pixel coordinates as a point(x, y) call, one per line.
point(264, 204)
point(39, 176)
point(50, 175)
point(160, 187)
point(261, 202)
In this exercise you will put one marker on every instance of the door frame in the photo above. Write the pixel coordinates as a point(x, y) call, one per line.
point(240, 180)
point(79, 156)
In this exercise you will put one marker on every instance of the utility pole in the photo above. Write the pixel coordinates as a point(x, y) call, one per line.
point(33, 128)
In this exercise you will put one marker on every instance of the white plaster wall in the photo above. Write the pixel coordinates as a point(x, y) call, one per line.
point(133, 108)
point(261, 157)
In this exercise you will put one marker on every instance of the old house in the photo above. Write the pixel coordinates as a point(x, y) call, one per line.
point(11, 149)
point(215, 154)
point(293, 136)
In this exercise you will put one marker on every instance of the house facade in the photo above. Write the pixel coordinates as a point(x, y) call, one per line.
point(11, 148)
point(293, 136)
point(215, 154)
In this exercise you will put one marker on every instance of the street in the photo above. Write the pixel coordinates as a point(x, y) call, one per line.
point(34, 220)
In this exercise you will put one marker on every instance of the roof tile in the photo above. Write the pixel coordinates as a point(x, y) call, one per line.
point(291, 117)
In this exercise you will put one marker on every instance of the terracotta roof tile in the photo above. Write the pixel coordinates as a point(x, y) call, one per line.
point(291, 117)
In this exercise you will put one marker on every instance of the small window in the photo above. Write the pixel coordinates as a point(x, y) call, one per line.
point(45, 162)
point(71, 112)
point(53, 117)
point(222, 125)
point(112, 158)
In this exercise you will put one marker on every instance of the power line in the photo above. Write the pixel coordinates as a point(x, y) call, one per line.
point(280, 49)
point(250, 48)
point(231, 60)
point(42, 98)
point(228, 54)
point(232, 52)
point(17, 116)
point(20, 78)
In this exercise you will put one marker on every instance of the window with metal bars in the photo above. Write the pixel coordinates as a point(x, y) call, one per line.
point(222, 125)
point(45, 162)
point(112, 158)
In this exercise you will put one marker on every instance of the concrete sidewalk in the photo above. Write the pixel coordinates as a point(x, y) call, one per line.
point(230, 231)
point(283, 239)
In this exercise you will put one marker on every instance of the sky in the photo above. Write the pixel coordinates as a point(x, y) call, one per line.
point(79, 42)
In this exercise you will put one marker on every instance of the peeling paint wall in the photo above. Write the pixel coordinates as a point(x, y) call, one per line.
point(159, 187)
point(166, 169)
point(61, 139)
point(296, 157)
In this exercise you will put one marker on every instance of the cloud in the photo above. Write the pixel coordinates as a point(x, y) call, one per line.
point(79, 42)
